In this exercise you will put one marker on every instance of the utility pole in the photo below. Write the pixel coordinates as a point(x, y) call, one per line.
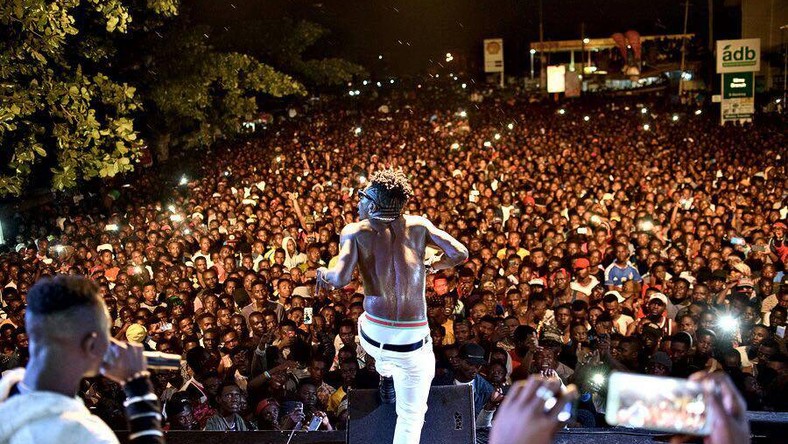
point(783, 28)
point(542, 72)
point(683, 47)
point(710, 79)
point(582, 47)
point(711, 26)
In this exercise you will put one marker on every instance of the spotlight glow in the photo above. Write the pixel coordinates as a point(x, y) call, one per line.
point(728, 323)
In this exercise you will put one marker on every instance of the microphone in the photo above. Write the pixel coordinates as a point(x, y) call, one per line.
point(162, 361)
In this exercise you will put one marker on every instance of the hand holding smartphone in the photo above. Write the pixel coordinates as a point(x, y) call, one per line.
point(657, 403)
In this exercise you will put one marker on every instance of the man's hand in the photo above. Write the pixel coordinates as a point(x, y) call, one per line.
point(496, 398)
point(267, 338)
point(284, 367)
point(523, 417)
point(122, 361)
point(728, 409)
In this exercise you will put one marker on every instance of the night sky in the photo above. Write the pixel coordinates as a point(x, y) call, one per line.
point(408, 33)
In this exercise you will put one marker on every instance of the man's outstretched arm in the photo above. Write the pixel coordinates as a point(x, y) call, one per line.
point(454, 252)
point(342, 272)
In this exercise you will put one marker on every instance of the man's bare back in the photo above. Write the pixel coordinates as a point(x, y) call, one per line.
point(390, 256)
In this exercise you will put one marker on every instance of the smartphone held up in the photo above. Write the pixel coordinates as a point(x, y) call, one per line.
point(154, 360)
point(657, 403)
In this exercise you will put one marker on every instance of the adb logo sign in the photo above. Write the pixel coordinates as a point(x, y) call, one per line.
point(742, 55)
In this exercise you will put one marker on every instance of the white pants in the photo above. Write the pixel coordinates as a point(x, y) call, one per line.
point(412, 372)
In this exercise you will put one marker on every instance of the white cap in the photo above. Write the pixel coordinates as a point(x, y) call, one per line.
point(659, 296)
point(302, 291)
point(616, 294)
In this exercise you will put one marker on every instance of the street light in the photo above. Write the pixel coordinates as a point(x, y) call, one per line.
point(533, 51)
point(586, 41)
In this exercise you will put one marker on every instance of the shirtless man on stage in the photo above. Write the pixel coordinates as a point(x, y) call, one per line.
point(388, 248)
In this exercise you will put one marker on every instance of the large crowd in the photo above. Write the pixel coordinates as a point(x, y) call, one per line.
point(603, 236)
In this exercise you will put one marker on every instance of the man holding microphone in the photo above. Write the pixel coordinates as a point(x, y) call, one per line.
point(69, 330)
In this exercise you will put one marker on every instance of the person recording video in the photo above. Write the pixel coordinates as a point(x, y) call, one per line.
point(532, 412)
point(69, 330)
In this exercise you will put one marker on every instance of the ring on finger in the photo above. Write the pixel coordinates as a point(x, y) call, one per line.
point(548, 397)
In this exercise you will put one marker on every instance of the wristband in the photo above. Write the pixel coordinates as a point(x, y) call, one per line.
point(267, 375)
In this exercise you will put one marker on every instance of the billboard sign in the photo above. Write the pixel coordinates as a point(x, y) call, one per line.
point(741, 55)
point(572, 83)
point(493, 55)
point(556, 79)
point(738, 97)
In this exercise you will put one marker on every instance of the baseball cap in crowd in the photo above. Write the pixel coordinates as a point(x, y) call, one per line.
point(660, 297)
point(472, 353)
point(616, 294)
point(742, 268)
point(136, 333)
point(302, 291)
point(262, 405)
point(662, 358)
point(745, 283)
point(581, 262)
point(536, 282)
point(686, 275)
point(780, 224)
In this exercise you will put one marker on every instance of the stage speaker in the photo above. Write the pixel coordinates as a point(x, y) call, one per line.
point(450, 417)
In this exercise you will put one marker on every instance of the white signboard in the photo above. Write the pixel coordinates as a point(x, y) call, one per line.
point(739, 109)
point(742, 55)
point(493, 55)
point(556, 79)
